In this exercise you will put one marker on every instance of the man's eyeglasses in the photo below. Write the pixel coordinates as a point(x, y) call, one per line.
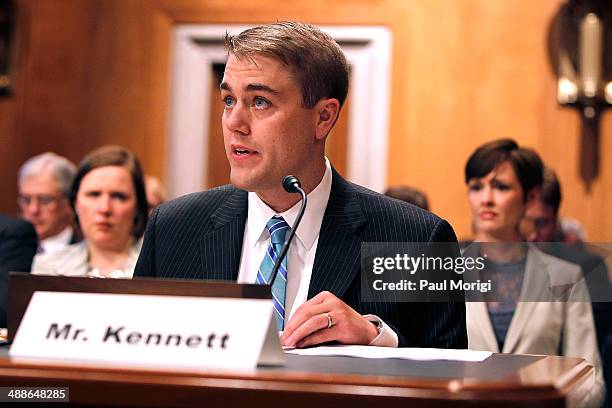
point(42, 199)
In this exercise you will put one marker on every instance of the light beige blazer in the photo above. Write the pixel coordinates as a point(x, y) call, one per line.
point(545, 327)
point(74, 261)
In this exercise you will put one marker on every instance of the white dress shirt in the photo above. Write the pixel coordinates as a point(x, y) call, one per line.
point(301, 254)
point(57, 242)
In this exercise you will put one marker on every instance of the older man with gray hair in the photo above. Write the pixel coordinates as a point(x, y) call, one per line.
point(44, 187)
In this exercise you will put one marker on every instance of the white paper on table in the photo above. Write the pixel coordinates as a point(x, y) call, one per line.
point(408, 353)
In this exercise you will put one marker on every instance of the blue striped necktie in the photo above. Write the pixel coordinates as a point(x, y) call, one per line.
point(277, 227)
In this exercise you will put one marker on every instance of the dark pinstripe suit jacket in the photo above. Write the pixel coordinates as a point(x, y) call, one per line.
point(199, 236)
point(18, 244)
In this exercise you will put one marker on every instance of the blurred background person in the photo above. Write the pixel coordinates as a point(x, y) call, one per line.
point(410, 195)
point(18, 244)
point(502, 179)
point(543, 226)
point(542, 214)
point(543, 211)
point(156, 193)
point(44, 186)
point(109, 199)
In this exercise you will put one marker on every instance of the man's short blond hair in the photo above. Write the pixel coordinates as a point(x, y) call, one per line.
point(315, 59)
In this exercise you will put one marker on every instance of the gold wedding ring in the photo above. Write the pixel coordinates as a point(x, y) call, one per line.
point(330, 323)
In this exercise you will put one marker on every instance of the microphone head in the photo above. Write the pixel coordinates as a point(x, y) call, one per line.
point(291, 184)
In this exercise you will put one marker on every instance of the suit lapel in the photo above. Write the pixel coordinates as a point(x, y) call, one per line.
point(221, 248)
point(481, 325)
point(534, 284)
point(519, 321)
point(337, 260)
point(481, 335)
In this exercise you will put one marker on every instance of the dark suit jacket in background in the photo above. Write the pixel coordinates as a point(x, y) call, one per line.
point(199, 236)
point(18, 244)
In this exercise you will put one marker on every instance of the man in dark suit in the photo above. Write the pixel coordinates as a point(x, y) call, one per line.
point(282, 90)
point(543, 214)
point(17, 248)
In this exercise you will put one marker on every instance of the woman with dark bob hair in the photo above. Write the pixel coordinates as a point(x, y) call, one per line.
point(109, 200)
point(522, 313)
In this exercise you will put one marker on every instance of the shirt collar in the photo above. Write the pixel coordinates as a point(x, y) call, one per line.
point(57, 241)
point(259, 213)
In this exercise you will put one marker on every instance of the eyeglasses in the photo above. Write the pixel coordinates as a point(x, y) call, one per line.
point(42, 199)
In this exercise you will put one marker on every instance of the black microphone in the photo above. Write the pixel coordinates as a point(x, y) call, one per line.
point(291, 184)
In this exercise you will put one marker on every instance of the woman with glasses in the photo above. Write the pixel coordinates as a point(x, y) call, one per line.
point(109, 200)
point(538, 304)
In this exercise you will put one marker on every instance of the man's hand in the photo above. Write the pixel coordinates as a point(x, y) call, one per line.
point(309, 324)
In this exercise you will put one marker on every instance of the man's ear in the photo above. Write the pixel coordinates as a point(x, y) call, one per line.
point(327, 113)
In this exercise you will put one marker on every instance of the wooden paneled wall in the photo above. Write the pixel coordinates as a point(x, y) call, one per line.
point(89, 73)
point(92, 72)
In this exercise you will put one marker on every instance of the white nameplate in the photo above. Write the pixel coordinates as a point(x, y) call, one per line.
point(168, 331)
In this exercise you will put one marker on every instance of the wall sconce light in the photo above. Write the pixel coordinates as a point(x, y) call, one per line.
point(580, 45)
point(7, 23)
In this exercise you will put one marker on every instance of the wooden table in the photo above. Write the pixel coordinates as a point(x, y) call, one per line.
point(314, 382)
